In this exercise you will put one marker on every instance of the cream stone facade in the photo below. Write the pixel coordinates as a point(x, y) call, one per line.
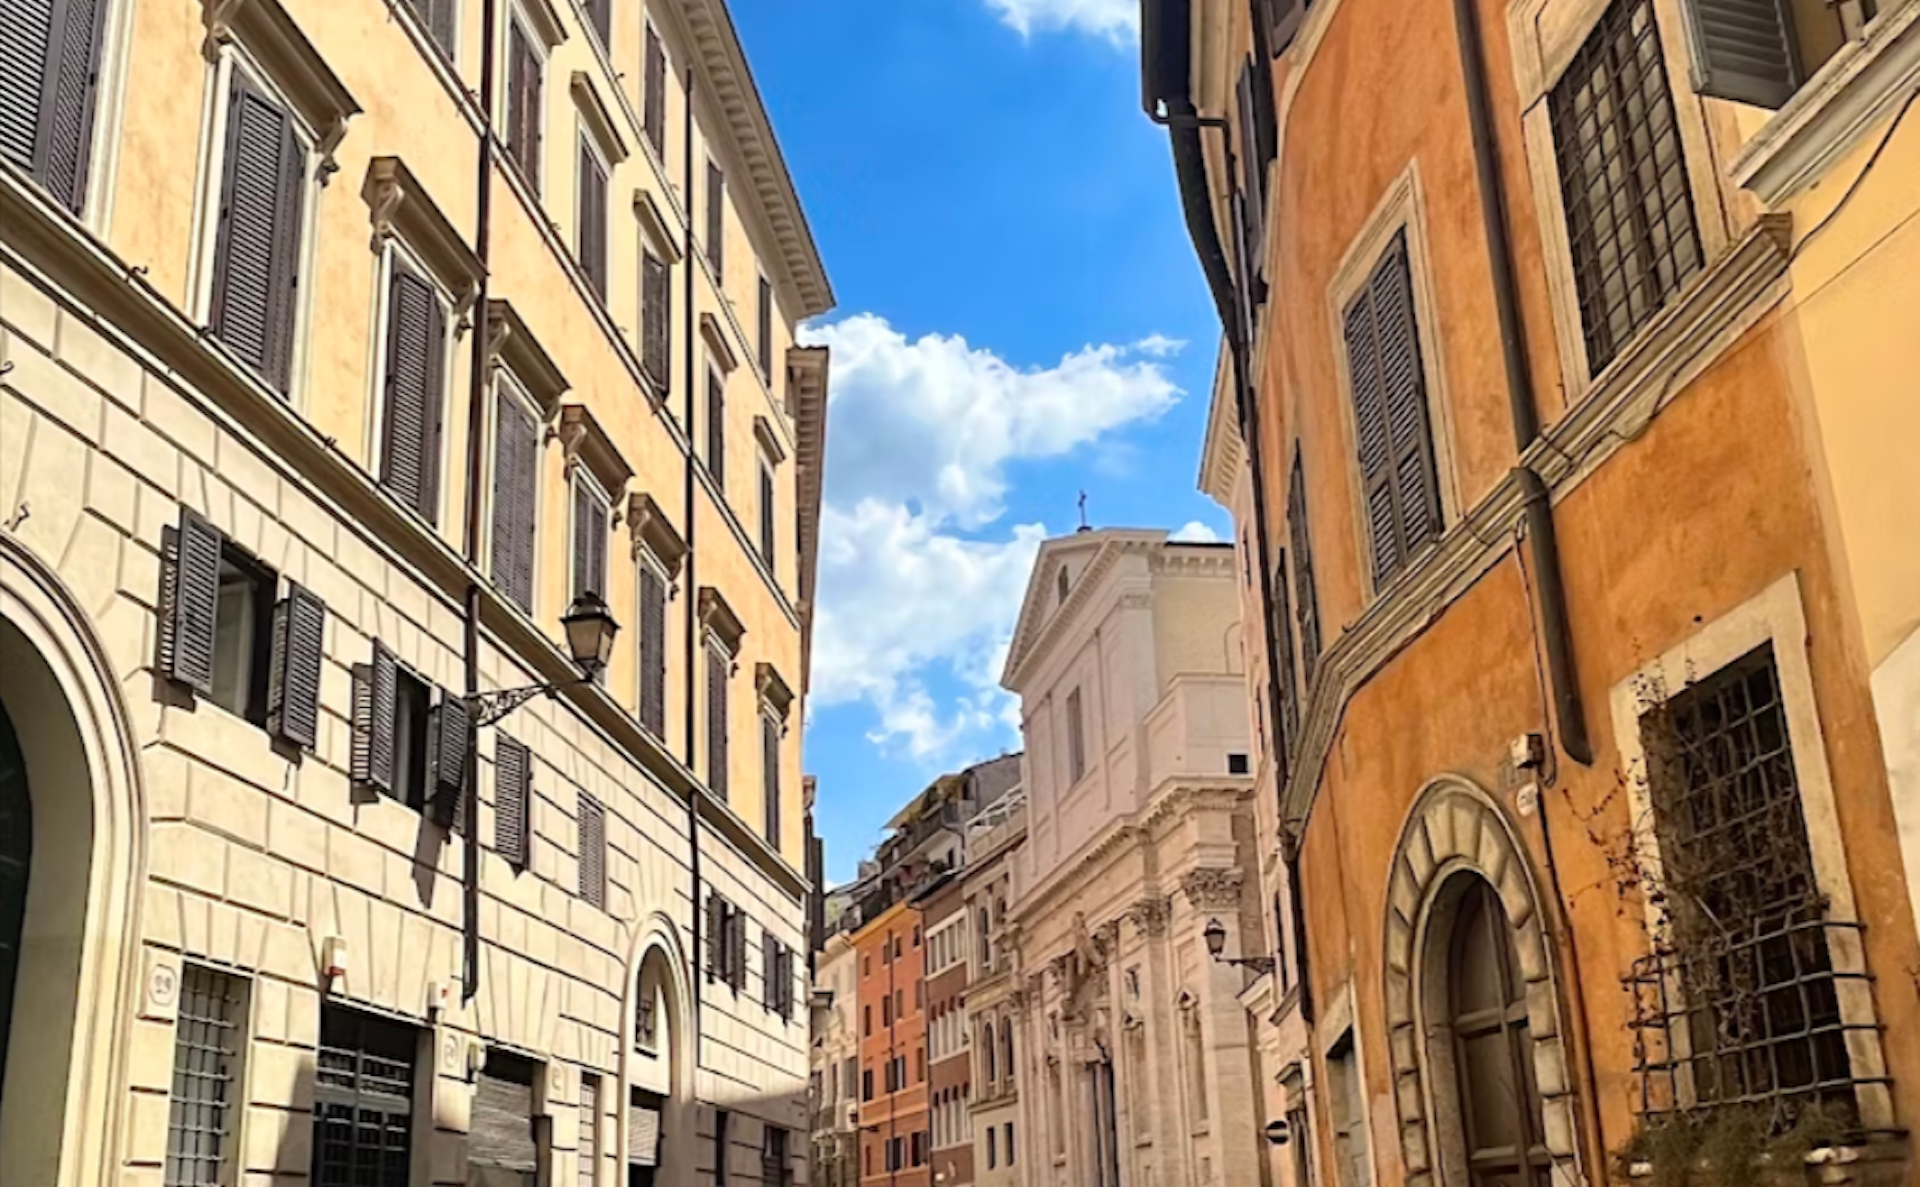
point(835, 1061)
point(225, 808)
point(993, 847)
point(1135, 1056)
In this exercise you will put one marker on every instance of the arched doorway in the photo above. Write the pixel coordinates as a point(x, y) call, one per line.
point(16, 850)
point(1480, 1002)
point(659, 1116)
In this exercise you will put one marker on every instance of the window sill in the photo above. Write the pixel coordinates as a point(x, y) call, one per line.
point(1857, 88)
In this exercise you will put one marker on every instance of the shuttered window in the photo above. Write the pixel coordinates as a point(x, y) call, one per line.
point(737, 949)
point(293, 698)
point(653, 100)
point(512, 801)
point(516, 462)
point(764, 336)
point(775, 1170)
point(1744, 50)
point(502, 1149)
point(717, 428)
point(768, 523)
point(593, 851)
point(653, 650)
point(1283, 665)
point(189, 601)
point(770, 776)
point(375, 694)
point(447, 739)
point(592, 199)
point(716, 928)
point(1283, 19)
point(1392, 430)
point(719, 665)
point(589, 540)
point(415, 392)
point(207, 1042)
point(1306, 598)
point(438, 17)
point(363, 1100)
point(656, 320)
point(600, 16)
point(716, 219)
point(1623, 179)
point(49, 74)
point(255, 271)
point(1252, 174)
point(524, 77)
point(589, 1158)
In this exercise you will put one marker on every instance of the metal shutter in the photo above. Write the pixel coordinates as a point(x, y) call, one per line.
point(717, 675)
point(254, 272)
point(512, 796)
point(654, 99)
point(516, 463)
point(593, 220)
point(374, 692)
point(643, 1126)
point(501, 1134)
point(189, 601)
point(656, 320)
point(593, 851)
point(716, 218)
point(416, 365)
point(653, 651)
point(293, 688)
point(447, 737)
point(770, 776)
point(1306, 602)
point(49, 73)
point(717, 428)
point(1742, 50)
point(523, 104)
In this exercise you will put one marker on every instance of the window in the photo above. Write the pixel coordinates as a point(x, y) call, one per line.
point(46, 109)
point(719, 1146)
point(207, 1042)
point(653, 99)
point(1006, 1056)
point(886, 1010)
point(1076, 739)
point(1352, 1161)
point(1286, 677)
point(242, 635)
point(768, 512)
point(1761, 51)
point(512, 801)
point(920, 1066)
point(989, 1047)
point(590, 519)
point(653, 648)
point(412, 702)
point(363, 1099)
point(525, 75)
point(776, 1170)
point(993, 1149)
point(866, 1019)
point(1306, 599)
point(866, 1075)
point(502, 1148)
point(593, 851)
point(1195, 1057)
point(438, 17)
point(776, 964)
point(404, 747)
point(716, 219)
point(717, 427)
point(726, 942)
point(1062, 584)
point(516, 478)
point(258, 236)
point(1623, 179)
point(719, 670)
point(589, 1157)
point(764, 337)
point(770, 776)
point(1007, 1140)
point(590, 248)
point(1391, 427)
point(600, 18)
point(656, 321)
point(1237, 764)
point(414, 391)
point(917, 1148)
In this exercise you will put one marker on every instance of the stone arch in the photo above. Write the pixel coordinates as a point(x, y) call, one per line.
point(658, 961)
point(76, 730)
point(1455, 828)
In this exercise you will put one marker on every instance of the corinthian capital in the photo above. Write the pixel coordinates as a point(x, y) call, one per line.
point(1211, 887)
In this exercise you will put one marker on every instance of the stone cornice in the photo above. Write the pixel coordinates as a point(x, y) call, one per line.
point(654, 531)
point(807, 396)
point(290, 60)
point(1222, 452)
point(585, 442)
point(1037, 628)
point(397, 204)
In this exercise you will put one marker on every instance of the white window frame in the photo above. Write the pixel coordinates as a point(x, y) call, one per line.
point(582, 480)
point(109, 116)
point(230, 56)
point(393, 249)
point(504, 381)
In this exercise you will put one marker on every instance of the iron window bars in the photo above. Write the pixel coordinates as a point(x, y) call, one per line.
point(363, 1101)
point(1623, 177)
point(1739, 1003)
point(206, 1041)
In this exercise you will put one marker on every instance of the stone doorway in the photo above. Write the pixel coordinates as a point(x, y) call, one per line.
point(16, 851)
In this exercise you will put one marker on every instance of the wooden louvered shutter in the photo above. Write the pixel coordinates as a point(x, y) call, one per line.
point(653, 651)
point(516, 460)
point(769, 978)
point(1390, 415)
point(293, 683)
point(523, 104)
point(589, 543)
point(1283, 669)
point(1742, 50)
point(716, 218)
point(768, 525)
point(1283, 22)
point(1306, 598)
point(765, 335)
point(656, 320)
point(717, 666)
point(654, 98)
point(255, 275)
point(189, 601)
point(737, 949)
point(49, 76)
point(770, 776)
point(600, 14)
point(440, 19)
point(1252, 171)
point(717, 428)
point(512, 796)
point(593, 220)
point(593, 851)
point(716, 935)
point(416, 369)
point(374, 694)
point(447, 734)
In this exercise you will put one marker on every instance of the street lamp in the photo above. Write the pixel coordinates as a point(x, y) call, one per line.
point(1215, 934)
point(590, 629)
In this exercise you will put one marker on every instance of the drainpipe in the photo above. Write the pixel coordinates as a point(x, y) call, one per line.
point(1542, 542)
point(476, 476)
point(688, 487)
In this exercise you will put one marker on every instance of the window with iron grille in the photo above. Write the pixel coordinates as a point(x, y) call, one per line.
point(363, 1100)
point(207, 1041)
point(589, 1156)
point(1623, 179)
point(1739, 1004)
point(776, 1170)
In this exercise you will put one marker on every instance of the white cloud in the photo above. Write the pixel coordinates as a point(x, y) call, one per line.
point(919, 581)
point(1116, 20)
point(1195, 532)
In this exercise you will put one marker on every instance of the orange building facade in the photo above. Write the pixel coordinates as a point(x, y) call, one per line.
point(1575, 822)
point(895, 1140)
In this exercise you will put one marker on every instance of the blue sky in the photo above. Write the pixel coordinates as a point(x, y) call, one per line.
point(1020, 318)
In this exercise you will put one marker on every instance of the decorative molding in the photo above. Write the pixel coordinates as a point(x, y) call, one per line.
point(586, 442)
point(653, 531)
point(545, 19)
point(718, 619)
point(718, 348)
point(1039, 625)
point(807, 407)
point(399, 205)
point(655, 228)
point(1212, 887)
point(512, 345)
point(1223, 453)
point(772, 690)
point(273, 39)
point(599, 120)
point(769, 440)
point(1149, 915)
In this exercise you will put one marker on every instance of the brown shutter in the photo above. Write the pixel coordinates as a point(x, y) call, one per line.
point(717, 428)
point(768, 524)
point(374, 695)
point(770, 776)
point(189, 601)
point(1283, 22)
point(769, 973)
point(1743, 50)
point(593, 220)
point(766, 330)
point(1283, 669)
point(293, 688)
point(656, 320)
point(717, 676)
point(600, 15)
point(415, 392)
point(589, 543)
point(516, 460)
point(716, 218)
point(523, 104)
point(512, 797)
point(1252, 170)
point(1306, 603)
point(49, 75)
point(716, 934)
point(737, 949)
point(593, 851)
point(653, 651)
point(654, 97)
point(254, 271)
point(447, 733)
point(440, 18)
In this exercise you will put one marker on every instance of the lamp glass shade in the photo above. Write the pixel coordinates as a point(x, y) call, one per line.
point(590, 629)
point(1216, 937)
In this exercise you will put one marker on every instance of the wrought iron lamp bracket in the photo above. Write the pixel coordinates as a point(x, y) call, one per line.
point(486, 708)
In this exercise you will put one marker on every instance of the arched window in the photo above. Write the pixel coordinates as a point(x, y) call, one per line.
point(1006, 1048)
point(988, 1045)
